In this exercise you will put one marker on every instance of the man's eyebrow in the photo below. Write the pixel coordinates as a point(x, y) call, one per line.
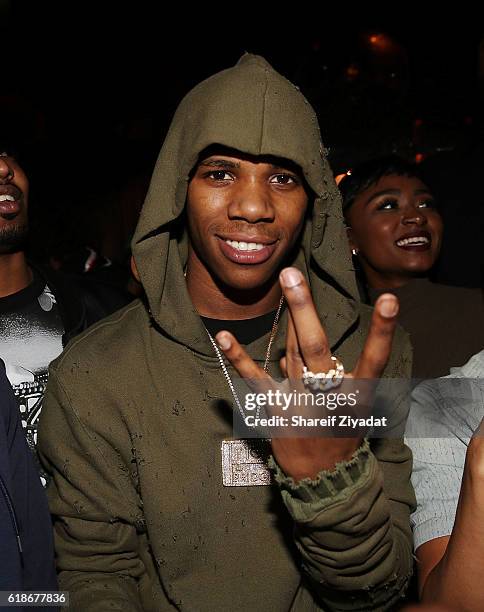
point(219, 163)
point(283, 167)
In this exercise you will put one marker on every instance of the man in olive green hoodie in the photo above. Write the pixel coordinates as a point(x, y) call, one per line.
point(138, 407)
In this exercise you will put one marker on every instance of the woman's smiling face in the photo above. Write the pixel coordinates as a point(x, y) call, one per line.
point(396, 229)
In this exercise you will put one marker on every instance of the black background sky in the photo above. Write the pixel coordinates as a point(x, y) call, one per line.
point(88, 89)
point(90, 68)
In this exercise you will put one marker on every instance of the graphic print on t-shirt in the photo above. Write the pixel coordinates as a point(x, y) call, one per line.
point(30, 338)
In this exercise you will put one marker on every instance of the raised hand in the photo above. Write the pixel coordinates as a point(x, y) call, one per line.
point(307, 345)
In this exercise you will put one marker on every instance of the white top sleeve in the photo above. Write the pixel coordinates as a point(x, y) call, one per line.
point(443, 416)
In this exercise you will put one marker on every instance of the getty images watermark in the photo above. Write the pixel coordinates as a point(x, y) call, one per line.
point(277, 399)
point(354, 408)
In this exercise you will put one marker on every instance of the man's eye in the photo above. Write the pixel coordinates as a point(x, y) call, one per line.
point(284, 179)
point(219, 175)
point(388, 205)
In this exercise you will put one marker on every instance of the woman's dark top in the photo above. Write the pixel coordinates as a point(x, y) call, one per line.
point(445, 324)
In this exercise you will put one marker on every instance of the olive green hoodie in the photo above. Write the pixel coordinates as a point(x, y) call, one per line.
point(137, 407)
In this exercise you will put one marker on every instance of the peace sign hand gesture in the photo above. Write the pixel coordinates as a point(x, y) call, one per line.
point(307, 345)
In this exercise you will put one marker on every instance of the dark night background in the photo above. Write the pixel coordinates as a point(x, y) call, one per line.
point(87, 94)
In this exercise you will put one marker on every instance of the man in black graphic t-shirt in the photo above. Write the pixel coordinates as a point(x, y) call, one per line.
point(39, 310)
point(31, 332)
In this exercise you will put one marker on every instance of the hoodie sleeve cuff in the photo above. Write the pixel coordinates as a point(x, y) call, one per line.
point(329, 486)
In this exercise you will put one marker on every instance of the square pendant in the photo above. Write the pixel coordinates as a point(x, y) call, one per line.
point(244, 463)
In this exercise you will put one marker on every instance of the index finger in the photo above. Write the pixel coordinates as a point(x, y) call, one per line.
point(378, 344)
point(240, 360)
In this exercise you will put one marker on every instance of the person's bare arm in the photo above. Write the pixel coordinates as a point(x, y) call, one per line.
point(450, 568)
point(429, 556)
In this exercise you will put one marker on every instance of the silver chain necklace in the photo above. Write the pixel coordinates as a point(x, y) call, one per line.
point(266, 362)
point(242, 465)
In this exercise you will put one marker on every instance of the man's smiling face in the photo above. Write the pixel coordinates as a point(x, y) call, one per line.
point(245, 214)
point(14, 191)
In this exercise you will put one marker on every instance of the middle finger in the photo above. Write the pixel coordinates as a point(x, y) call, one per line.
point(311, 338)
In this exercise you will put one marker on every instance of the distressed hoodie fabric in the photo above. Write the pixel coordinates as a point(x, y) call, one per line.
point(137, 407)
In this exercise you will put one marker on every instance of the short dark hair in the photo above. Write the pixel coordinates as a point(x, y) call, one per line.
point(368, 173)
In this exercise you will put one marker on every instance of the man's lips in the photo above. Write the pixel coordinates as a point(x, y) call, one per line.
point(247, 257)
point(9, 209)
point(10, 198)
point(241, 237)
point(10, 190)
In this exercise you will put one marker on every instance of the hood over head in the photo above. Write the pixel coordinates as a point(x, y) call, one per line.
point(253, 109)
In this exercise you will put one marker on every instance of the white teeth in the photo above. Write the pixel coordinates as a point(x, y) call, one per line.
point(6, 198)
point(245, 246)
point(415, 240)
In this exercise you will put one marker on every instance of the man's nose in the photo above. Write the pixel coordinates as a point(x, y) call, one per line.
point(6, 170)
point(252, 202)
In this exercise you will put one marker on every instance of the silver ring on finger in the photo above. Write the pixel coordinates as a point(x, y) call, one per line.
point(323, 381)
